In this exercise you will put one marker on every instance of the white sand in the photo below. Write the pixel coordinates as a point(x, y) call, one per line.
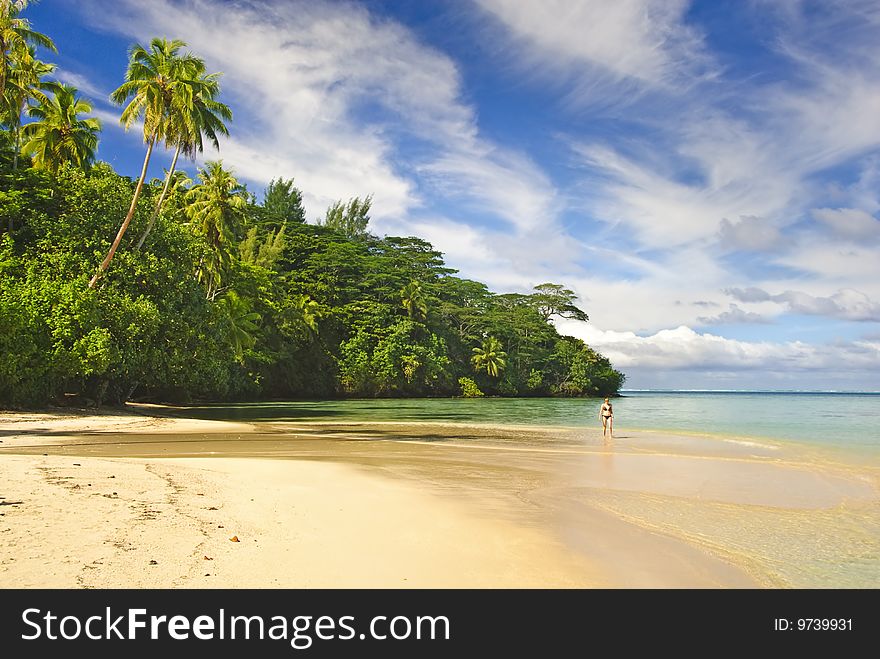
point(102, 522)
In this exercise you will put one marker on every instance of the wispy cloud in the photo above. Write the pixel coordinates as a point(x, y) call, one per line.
point(329, 93)
point(84, 84)
point(664, 212)
point(738, 148)
point(639, 43)
point(498, 181)
point(726, 167)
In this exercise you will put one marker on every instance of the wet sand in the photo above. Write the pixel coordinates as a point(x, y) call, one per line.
point(412, 505)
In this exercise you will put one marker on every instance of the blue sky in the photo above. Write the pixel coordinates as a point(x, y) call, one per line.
point(705, 175)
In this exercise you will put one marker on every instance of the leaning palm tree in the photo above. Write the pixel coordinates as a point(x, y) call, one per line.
point(185, 130)
point(24, 83)
point(158, 85)
point(16, 34)
point(216, 211)
point(489, 357)
point(59, 134)
point(413, 300)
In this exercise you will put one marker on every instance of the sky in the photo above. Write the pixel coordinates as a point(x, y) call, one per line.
point(705, 175)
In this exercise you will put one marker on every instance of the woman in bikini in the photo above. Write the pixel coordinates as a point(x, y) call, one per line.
point(606, 413)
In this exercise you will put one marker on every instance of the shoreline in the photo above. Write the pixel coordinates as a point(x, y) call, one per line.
point(577, 516)
point(768, 441)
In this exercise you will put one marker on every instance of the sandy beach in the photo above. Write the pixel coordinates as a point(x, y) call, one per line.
point(136, 500)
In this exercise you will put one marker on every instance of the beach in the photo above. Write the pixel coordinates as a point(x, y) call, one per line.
point(141, 499)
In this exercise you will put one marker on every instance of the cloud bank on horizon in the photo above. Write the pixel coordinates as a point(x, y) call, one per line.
point(706, 176)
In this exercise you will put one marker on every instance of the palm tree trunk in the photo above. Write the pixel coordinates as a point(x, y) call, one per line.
point(161, 199)
point(15, 148)
point(16, 132)
point(137, 193)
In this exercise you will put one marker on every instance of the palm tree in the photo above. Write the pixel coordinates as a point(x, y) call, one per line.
point(413, 300)
point(216, 210)
point(180, 184)
point(59, 135)
point(16, 34)
point(24, 83)
point(184, 132)
point(158, 85)
point(241, 322)
point(490, 357)
point(306, 313)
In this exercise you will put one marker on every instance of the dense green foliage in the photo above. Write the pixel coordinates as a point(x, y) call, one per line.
point(214, 307)
point(212, 295)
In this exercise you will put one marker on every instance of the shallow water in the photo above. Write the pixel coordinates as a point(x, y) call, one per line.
point(786, 517)
point(837, 421)
point(789, 527)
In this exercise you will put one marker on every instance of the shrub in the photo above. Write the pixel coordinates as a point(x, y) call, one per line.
point(469, 388)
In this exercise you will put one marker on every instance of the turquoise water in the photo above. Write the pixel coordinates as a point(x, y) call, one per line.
point(833, 420)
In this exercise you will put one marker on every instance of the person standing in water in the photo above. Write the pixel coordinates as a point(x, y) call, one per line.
point(606, 413)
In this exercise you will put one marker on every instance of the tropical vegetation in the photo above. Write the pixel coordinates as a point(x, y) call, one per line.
point(177, 288)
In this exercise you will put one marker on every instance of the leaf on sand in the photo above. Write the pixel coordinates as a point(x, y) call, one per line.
point(208, 558)
point(234, 539)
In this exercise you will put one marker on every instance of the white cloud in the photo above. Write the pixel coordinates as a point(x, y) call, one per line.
point(662, 212)
point(727, 150)
point(84, 84)
point(502, 261)
point(110, 119)
point(347, 173)
point(733, 315)
point(637, 41)
point(835, 263)
point(654, 302)
point(851, 223)
point(846, 303)
point(865, 192)
point(831, 120)
point(732, 166)
point(323, 93)
point(496, 181)
point(684, 349)
point(751, 233)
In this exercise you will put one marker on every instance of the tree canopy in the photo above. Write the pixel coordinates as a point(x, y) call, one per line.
point(230, 299)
